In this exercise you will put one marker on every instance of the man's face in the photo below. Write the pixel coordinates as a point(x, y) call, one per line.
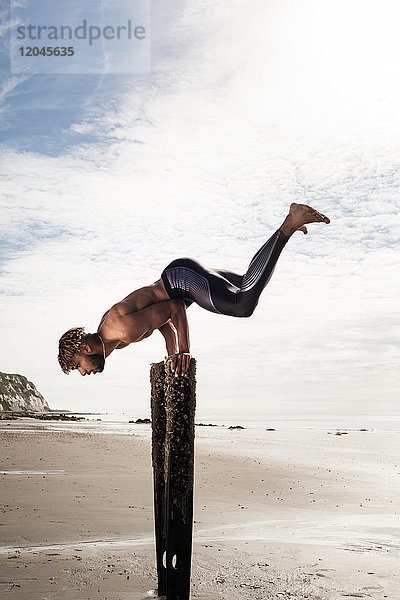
point(87, 364)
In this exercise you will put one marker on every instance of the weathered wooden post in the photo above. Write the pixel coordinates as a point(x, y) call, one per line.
point(158, 422)
point(173, 411)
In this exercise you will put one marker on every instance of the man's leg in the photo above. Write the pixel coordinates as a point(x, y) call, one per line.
point(263, 264)
point(226, 292)
point(288, 227)
point(233, 278)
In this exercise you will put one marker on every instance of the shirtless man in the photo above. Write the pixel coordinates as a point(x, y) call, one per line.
point(162, 305)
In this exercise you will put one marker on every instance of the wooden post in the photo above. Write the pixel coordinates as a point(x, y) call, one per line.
point(158, 422)
point(173, 411)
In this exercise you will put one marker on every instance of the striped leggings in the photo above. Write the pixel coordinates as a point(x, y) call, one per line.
point(221, 291)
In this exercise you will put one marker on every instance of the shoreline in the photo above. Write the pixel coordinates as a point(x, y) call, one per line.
point(72, 500)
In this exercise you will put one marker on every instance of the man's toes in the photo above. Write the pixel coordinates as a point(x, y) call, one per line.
point(313, 215)
point(324, 218)
point(319, 216)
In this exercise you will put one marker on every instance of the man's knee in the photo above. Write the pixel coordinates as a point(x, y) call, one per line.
point(244, 311)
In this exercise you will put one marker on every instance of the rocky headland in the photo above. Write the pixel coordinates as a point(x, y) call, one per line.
point(17, 394)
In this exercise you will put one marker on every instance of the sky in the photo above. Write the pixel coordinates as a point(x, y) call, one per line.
point(243, 108)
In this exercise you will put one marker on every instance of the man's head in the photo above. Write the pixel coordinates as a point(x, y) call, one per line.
point(80, 350)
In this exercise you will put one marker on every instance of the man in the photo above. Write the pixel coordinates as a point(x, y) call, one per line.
point(162, 305)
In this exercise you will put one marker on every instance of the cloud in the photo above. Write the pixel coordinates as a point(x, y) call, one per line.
point(203, 159)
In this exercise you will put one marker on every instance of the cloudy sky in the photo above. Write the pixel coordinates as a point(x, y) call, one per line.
point(247, 107)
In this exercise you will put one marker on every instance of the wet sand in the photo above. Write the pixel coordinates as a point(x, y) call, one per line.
point(305, 516)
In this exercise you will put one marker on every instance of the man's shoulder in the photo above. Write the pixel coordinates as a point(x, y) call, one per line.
point(112, 330)
point(110, 324)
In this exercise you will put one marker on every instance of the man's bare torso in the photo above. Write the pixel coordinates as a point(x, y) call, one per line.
point(127, 321)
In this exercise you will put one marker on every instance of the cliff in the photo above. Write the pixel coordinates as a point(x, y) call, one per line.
point(19, 394)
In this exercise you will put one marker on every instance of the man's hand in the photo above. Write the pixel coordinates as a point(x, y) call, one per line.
point(180, 363)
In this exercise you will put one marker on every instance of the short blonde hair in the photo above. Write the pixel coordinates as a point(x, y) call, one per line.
point(68, 346)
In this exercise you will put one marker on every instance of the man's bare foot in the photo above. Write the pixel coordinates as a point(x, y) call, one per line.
point(303, 214)
point(299, 215)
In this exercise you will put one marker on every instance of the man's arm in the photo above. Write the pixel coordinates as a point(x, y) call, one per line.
point(181, 361)
point(169, 333)
point(180, 322)
point(181, 358)
point(135, 326)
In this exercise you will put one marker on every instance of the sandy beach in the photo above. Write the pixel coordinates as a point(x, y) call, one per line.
point(289, 515)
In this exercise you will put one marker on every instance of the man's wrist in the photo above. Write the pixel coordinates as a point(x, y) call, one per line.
point(178, 352)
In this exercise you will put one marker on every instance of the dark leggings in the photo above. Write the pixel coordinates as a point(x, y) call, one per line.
point(224, 292)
